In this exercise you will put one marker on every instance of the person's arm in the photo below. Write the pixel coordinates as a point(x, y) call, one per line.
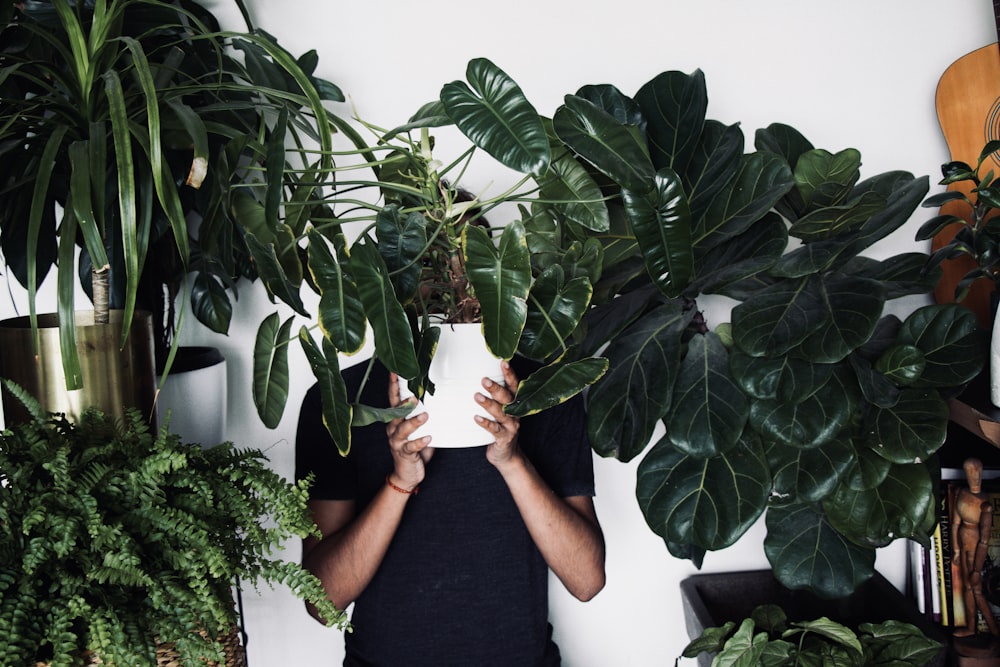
point(353, 545)
point(566, 530)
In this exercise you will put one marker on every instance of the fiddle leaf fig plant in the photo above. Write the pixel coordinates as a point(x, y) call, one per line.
point(813, 403)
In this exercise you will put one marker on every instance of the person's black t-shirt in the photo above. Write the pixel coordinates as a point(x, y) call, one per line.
point(462, 583)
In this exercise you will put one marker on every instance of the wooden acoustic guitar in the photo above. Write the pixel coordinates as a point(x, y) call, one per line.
point(968, 109)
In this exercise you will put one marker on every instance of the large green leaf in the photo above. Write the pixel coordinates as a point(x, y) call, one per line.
point(402, 239)
point(949, 337)
point(496, 116)
point(554, 384)
point(894, 509)
point(901, 202)
point(706, 502)
point(210, 302)
point(604, 142)
point(390, 327)
point(778, 318)
point(555, 307)
point(625, 406)
point(912, 429)
point(808, 475)
point(830, 221)
point(805, 551)
point(270, 369)
point(810, 422)
point(341, 315)
point(661, 222)
point(786, 379)
point(501, 279)
point(762, 180)
point(674, 106)
point(709, 409)
point(825, 179)
point(337, 412)
point(714, 164)
point(273, 275)
point(855, 306)
point(571, 189)
point(743, 256)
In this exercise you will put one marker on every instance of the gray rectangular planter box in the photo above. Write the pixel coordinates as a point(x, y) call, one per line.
point(712, 599)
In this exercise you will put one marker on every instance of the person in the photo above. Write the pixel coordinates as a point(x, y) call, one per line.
point(972, 521)
point(445, 553)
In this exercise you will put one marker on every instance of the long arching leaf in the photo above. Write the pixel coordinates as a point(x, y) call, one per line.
point(496, 116)
point(337, 412)
point(270, 369)
point(661, 221)
point(501, 279)
point(552, 385)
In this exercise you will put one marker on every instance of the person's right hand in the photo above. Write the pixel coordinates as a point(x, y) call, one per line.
point(409, 456)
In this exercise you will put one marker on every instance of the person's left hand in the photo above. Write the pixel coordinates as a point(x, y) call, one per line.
point(502, 427)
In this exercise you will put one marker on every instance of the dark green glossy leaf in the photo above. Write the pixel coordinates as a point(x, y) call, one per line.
point(742, 257)
point(953, 346)
point(210, 302)
point(805, 551)
point(270, 369)
point(778, 318)
point(604, 142)
point(714, 164)
point(782, 140)
point(899, 643)
point(855, 306)
point(901, 275)
point(811, 422)
point(876, 387)
point(65, 308)
point(674, 106)
point(808, 475)
point(762, 180)
point(554, 310)
point(707, 502)
point(830, 221)
point(912, 429)
point(390, 328)
point(869, 470)
point(787, 379)
point(341, 316)
point(401, 242)
point(501, 279)
point(709, 410)
point(902, 201)
point(337, 412)
point(273, 275)
point(625, 406)
point(661, 222)
point(496, 116)
point(903, 364)
point(572, 190)
point(607, 97)
point(824, 178)
point(894, 509)
point(551, 385)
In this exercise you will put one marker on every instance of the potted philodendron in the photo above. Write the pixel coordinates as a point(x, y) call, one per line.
point(812, 403)
point(768, 637)
point(424, 260)
point(135, 133)
point(120, 545)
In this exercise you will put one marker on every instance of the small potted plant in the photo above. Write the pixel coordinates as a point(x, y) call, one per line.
point(423, 252)
point(136, 133)
point(122, 544)
point(768, 637)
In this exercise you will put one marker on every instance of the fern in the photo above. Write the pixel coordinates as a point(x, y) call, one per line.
point(114, 538)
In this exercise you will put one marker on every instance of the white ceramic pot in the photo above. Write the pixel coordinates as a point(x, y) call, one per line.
point(194, 395)
point(460, 363)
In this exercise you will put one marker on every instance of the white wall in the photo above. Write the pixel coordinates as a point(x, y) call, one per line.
point(858, 73)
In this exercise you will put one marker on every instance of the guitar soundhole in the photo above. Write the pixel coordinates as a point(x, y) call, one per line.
point(992, 127)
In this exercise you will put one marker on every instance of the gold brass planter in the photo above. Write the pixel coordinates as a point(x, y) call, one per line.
point(113, 378)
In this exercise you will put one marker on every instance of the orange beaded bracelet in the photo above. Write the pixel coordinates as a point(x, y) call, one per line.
point(392, 486)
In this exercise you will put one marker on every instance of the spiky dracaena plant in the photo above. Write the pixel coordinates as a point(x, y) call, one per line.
point(116, 540)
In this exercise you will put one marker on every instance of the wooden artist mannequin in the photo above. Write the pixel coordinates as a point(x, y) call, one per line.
point(972, 520)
